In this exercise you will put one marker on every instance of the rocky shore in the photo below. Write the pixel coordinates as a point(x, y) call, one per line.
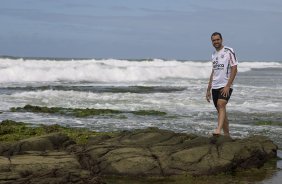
point(57, 157)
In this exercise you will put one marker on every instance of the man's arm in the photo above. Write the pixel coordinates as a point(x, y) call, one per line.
point(208, 93)
point(225, 90)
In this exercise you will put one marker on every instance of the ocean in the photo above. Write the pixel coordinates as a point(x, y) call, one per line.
point(171, 86)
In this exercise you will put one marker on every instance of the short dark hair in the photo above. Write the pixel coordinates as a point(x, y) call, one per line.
point(216, 33)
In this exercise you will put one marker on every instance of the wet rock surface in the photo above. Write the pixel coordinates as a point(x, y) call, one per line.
point(163, 153)
point(55, 158)
point(41, 160)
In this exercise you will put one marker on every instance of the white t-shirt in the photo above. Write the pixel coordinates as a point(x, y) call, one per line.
point(222, 61)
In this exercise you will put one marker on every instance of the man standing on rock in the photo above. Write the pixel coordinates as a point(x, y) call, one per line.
point(222, 76)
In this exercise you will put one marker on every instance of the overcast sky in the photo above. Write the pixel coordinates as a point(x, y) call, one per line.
point(140, 29)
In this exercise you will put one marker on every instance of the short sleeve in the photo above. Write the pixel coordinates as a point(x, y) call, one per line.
point(232, 58)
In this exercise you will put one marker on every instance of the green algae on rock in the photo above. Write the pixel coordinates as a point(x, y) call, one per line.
point(78, 112)
point(270, 123)
point(64, 111)
point(148, 113)
point(11, 131)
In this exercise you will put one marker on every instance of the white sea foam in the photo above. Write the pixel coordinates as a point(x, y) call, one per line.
point(110, 70)
point(247, 66)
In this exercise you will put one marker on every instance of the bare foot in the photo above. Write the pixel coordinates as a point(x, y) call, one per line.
point(216, 132)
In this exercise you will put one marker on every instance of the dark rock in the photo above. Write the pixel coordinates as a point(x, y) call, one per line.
point(55, 158)
point(162, 152)
point(53, 141)
point(41, 160)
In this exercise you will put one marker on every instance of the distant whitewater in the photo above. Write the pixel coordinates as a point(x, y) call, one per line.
point(175, 87)
point(109, 70)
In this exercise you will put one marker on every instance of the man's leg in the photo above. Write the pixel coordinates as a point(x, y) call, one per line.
point(222, 118)
point(226, 125)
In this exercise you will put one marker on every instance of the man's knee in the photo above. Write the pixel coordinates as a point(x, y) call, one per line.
point(221, 104)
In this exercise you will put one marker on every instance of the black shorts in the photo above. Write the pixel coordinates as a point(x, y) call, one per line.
point(216, 94)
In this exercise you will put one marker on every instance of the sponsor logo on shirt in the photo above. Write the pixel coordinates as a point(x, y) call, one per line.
point(217, 66)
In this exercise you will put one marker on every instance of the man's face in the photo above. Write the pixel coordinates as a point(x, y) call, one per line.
point(216, 42)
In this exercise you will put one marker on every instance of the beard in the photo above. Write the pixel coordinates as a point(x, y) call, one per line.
point(217, 46)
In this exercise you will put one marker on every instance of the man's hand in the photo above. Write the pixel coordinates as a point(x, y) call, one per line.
point(225, 91)
point(208, 95)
